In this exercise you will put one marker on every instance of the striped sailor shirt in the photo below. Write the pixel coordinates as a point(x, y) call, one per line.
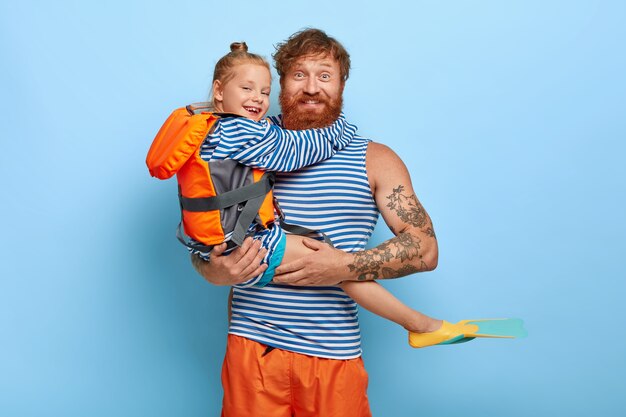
point(332, 196)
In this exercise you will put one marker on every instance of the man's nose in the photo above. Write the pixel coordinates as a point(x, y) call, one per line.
point(311, 86)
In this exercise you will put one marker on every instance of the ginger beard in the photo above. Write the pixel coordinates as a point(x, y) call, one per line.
point(296, 119)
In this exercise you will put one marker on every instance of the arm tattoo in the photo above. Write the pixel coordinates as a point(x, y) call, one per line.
point(370, 264)
point(402, 271)
point(409, 210)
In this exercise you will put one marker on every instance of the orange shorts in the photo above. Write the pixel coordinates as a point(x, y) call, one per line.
point(288, 384)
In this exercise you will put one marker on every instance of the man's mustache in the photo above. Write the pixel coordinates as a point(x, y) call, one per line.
point(307, 96)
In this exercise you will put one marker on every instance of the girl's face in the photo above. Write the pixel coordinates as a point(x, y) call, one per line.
point(246, 94)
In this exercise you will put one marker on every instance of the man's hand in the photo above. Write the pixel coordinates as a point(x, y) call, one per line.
point(240, 265)
point(326, 266)
point(413, 249)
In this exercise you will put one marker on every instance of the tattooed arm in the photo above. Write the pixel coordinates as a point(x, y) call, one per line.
point(413, 249)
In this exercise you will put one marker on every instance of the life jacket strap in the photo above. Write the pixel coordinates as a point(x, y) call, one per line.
point(185, 240)
point(228, 198)
point(303, 231)
point(249, 197)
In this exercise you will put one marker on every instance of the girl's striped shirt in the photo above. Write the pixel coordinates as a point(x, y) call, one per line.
point(267, 146)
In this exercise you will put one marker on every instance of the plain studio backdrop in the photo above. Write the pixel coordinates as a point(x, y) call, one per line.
point(509, 116)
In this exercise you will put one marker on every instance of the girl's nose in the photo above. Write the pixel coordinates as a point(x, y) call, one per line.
point(258, 97)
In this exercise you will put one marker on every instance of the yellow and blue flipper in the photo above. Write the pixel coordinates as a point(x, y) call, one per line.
point(467, 330)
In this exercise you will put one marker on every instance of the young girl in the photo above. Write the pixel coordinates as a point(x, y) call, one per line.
point(241, 86)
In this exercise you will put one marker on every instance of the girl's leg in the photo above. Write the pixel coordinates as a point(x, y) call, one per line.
point(375, 298)
point(371, 295)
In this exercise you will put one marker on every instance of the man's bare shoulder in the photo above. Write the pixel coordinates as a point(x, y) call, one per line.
point(377, 153)
point(375, 149)
point(382, 162)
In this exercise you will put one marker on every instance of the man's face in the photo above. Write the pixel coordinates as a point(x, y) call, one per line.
point(311, 93)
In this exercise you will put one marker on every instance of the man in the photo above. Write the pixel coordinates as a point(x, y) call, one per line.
point(294, 345)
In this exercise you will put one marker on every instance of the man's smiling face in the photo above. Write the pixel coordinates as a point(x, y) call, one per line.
point(311, 93)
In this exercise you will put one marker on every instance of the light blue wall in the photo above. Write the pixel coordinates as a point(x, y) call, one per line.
point(509, 116)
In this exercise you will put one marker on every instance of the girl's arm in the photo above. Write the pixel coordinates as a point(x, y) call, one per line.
point(269, 147)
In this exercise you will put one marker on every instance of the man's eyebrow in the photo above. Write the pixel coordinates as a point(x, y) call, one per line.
point(300, 66)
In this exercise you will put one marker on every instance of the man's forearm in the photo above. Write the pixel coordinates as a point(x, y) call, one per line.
point(401, 255)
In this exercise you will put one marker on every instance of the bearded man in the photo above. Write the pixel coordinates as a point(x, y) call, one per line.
point(294, 345)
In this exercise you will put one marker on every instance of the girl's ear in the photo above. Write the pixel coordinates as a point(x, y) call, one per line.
point(218, 91)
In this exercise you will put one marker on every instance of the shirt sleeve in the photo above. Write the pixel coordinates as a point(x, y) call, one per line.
point(267, 146)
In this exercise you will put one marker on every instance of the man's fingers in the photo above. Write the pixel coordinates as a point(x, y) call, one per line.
point(255, 267)
point(259, 257)
point(250, 253)
point(291, 277)
point(295, 280)
point(289, 267)
point(241, 251)
point(313, 244)
point(218, 250)
point(256, 272)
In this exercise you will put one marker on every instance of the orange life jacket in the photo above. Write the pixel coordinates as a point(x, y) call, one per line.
point(216, 197)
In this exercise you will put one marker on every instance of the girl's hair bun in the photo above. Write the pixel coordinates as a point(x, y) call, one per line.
point(238, 47)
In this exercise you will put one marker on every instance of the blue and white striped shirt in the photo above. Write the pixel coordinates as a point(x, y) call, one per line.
point(266, 146)
point(332, 196)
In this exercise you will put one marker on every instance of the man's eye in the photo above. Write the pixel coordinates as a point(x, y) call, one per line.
point(299, 75)
point(325, 77)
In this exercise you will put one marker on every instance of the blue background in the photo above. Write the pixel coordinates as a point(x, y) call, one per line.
point(509, 116)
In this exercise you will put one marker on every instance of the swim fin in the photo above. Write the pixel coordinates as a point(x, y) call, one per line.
point(467, 330)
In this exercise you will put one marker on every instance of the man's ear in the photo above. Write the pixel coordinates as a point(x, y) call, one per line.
point(218, 91)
